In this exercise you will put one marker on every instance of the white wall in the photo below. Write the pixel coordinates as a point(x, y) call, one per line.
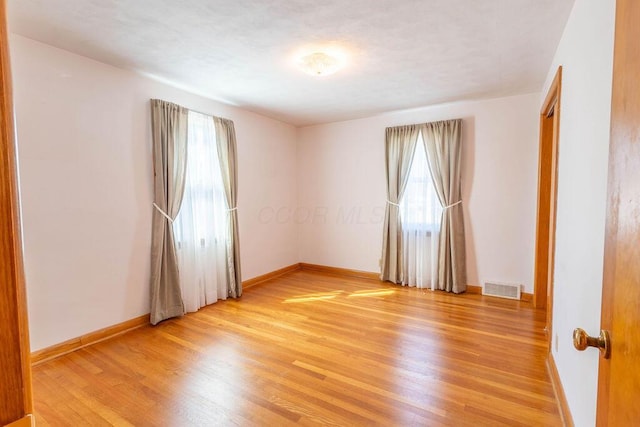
point(341, 190)
point(586, 55)
point(86, 180)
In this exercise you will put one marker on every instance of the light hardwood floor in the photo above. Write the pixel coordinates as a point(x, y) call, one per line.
point(314, 349)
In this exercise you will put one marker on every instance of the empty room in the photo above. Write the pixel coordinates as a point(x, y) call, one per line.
point(285, 212)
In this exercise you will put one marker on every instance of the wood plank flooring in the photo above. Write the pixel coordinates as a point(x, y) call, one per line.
point(314, 349)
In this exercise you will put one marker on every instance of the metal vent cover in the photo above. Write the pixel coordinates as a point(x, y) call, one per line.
point(502, 290)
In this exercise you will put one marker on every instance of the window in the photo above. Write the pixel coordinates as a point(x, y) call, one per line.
point(203, 203)
point(420, 212)
point(201, 227)
point(420, 208)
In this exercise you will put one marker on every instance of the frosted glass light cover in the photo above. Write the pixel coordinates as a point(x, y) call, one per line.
point(319, 64)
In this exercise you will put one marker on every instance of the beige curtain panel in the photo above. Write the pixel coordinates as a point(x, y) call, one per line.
point(226, 143)
point(444, 148)
point(169, 134)
point(400, 144)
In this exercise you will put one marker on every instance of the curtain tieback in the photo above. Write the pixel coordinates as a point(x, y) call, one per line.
point(391, 203)
point(164, 214)
point(232, 209)
point(452, 205)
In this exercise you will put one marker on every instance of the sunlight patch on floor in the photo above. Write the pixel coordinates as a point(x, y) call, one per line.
point(321, 296)
point(313, 297)
point(372, 293)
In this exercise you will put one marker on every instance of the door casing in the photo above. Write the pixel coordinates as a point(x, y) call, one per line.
point(16, 401)
point(547, 196)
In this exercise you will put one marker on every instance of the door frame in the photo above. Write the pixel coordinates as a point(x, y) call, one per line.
point(547, 197)
point(16, 402)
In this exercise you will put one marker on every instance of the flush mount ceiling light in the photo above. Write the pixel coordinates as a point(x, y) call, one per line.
point(320, 63)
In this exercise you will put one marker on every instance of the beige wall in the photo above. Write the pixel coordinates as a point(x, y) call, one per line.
point(341, 188)
point(86, 180)
point(586, 55)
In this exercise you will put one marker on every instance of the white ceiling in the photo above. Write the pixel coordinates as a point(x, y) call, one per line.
point(403, 53)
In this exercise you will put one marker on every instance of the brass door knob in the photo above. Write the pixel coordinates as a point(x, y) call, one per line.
point(581, 341)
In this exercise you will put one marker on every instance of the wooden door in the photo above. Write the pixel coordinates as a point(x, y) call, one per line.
point(619, 376)
point(15, 370)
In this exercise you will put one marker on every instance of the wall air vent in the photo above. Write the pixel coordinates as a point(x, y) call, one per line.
point(502, 290)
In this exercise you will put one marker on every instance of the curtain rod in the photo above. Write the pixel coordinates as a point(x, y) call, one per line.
point(425, 123)
point(191, 109)
point(207, 114)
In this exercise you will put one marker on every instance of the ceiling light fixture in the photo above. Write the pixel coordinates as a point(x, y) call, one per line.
point(320, 64)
